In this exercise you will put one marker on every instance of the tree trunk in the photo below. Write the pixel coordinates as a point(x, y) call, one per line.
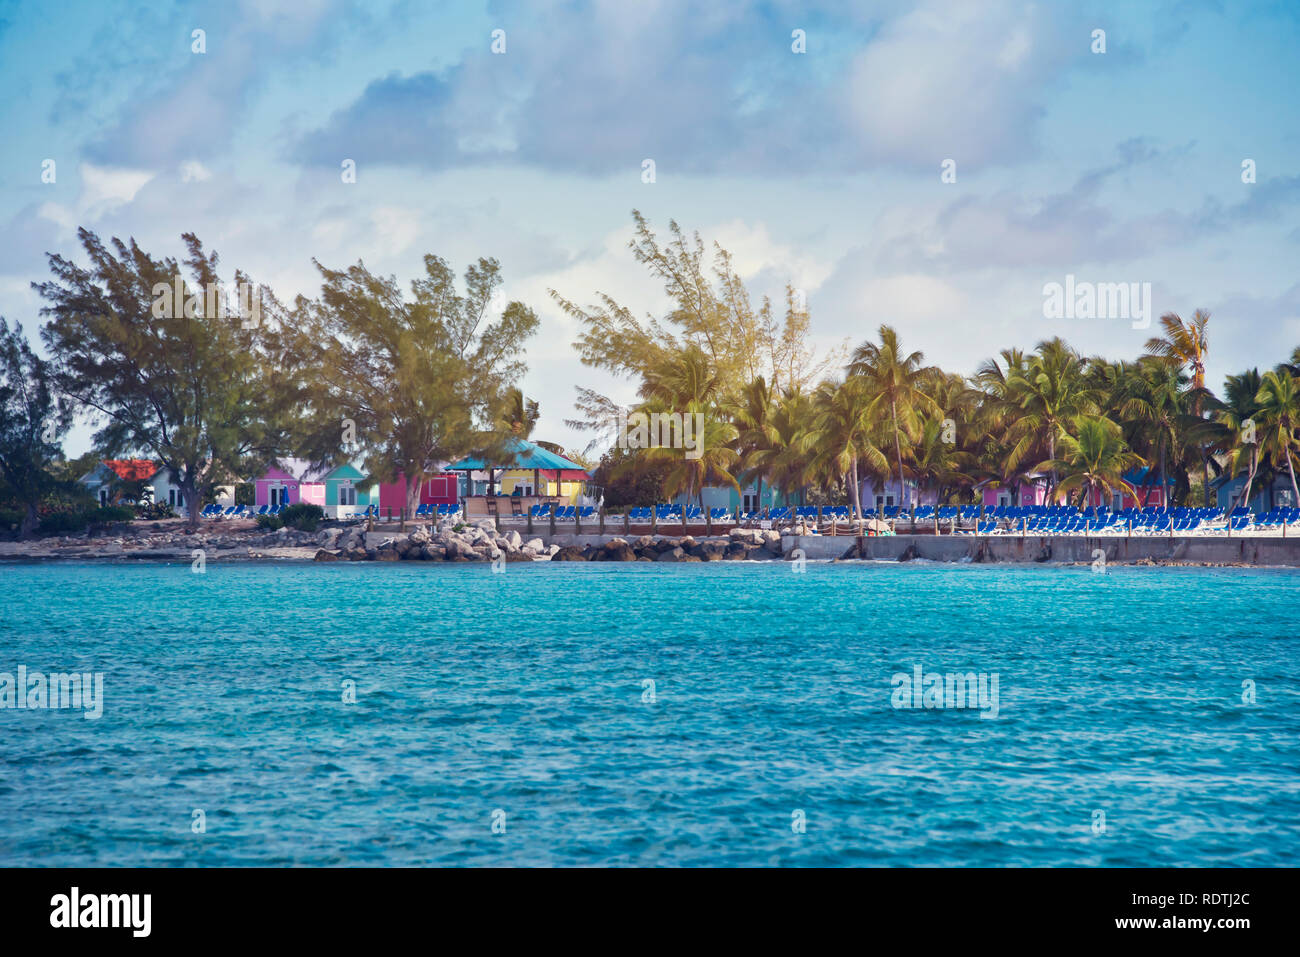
point(857, 492)
point(192, 504)
point(1250, 478)
point(1051, 454)
point(413, 485)
point(1290, 467)
point(898, 451)
point(1164, 480)
point(29, 522)
point(1205, 468)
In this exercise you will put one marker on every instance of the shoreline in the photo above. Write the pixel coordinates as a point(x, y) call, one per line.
point(477, 545)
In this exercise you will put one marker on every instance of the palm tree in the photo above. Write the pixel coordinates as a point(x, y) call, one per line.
point(1292, 364)
point(995, 412)
point(843, 435)
point(894, 382)
point(756, 438)
point(518, 415)
point(1238, 432)
point(1185, 345)
point(786, 463)
point(682, 378)
point(1050, 393)
point(1151, 405)
point(1279, 416)
point(1093, 460)
point(936, 462)
point(714, 465)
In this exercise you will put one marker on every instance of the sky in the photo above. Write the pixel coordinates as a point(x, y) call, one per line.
point(930, 165)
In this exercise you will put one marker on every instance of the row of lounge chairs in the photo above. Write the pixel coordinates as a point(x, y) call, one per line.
point(435, 511)
point(563, 513)
point(240, 511)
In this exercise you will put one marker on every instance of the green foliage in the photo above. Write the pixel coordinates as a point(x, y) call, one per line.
point(710, 310)
point(271, 522)
point(181, 381)
point(60, 522)
point(625, 485)
point(75, 520)
point(422, 379)
point(10, 519)
point(111, 513)
point(303, 516)
point(31, 420)
point(245, 493)
point(155, 511)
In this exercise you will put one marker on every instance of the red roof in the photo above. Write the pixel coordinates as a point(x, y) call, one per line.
point(132, 470)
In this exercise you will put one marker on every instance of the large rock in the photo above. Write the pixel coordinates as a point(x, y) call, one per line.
point(617, 551)
point(324, 556)
point(514, 540)
point(569, 553)
point(433, 553)
point(536, 544)
point(387, 555)
point(674, 554)
point(711, 551)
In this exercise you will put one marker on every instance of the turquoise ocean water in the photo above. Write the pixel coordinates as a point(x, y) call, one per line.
point(768, 737)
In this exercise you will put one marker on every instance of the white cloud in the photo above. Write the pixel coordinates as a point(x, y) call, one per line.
point(192, 171)
point(955, 80)
point(103, 190)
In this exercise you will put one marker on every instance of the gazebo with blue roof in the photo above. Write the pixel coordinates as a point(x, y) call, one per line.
point(519, 461)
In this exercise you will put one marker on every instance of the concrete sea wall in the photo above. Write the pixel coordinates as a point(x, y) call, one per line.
point(1238, 550)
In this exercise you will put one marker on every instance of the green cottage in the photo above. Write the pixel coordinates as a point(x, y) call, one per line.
point(344, 493)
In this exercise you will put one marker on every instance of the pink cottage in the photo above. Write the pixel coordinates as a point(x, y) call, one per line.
point(289, 482)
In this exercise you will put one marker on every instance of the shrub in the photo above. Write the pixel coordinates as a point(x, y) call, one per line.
point(75, 520)
point(10, 519)
point(154, 511)
point(64, 521)
point(303, 517)
point(271, 522)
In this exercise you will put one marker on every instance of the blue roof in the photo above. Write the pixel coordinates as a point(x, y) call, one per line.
point(1138, 477)
point(520, 454)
